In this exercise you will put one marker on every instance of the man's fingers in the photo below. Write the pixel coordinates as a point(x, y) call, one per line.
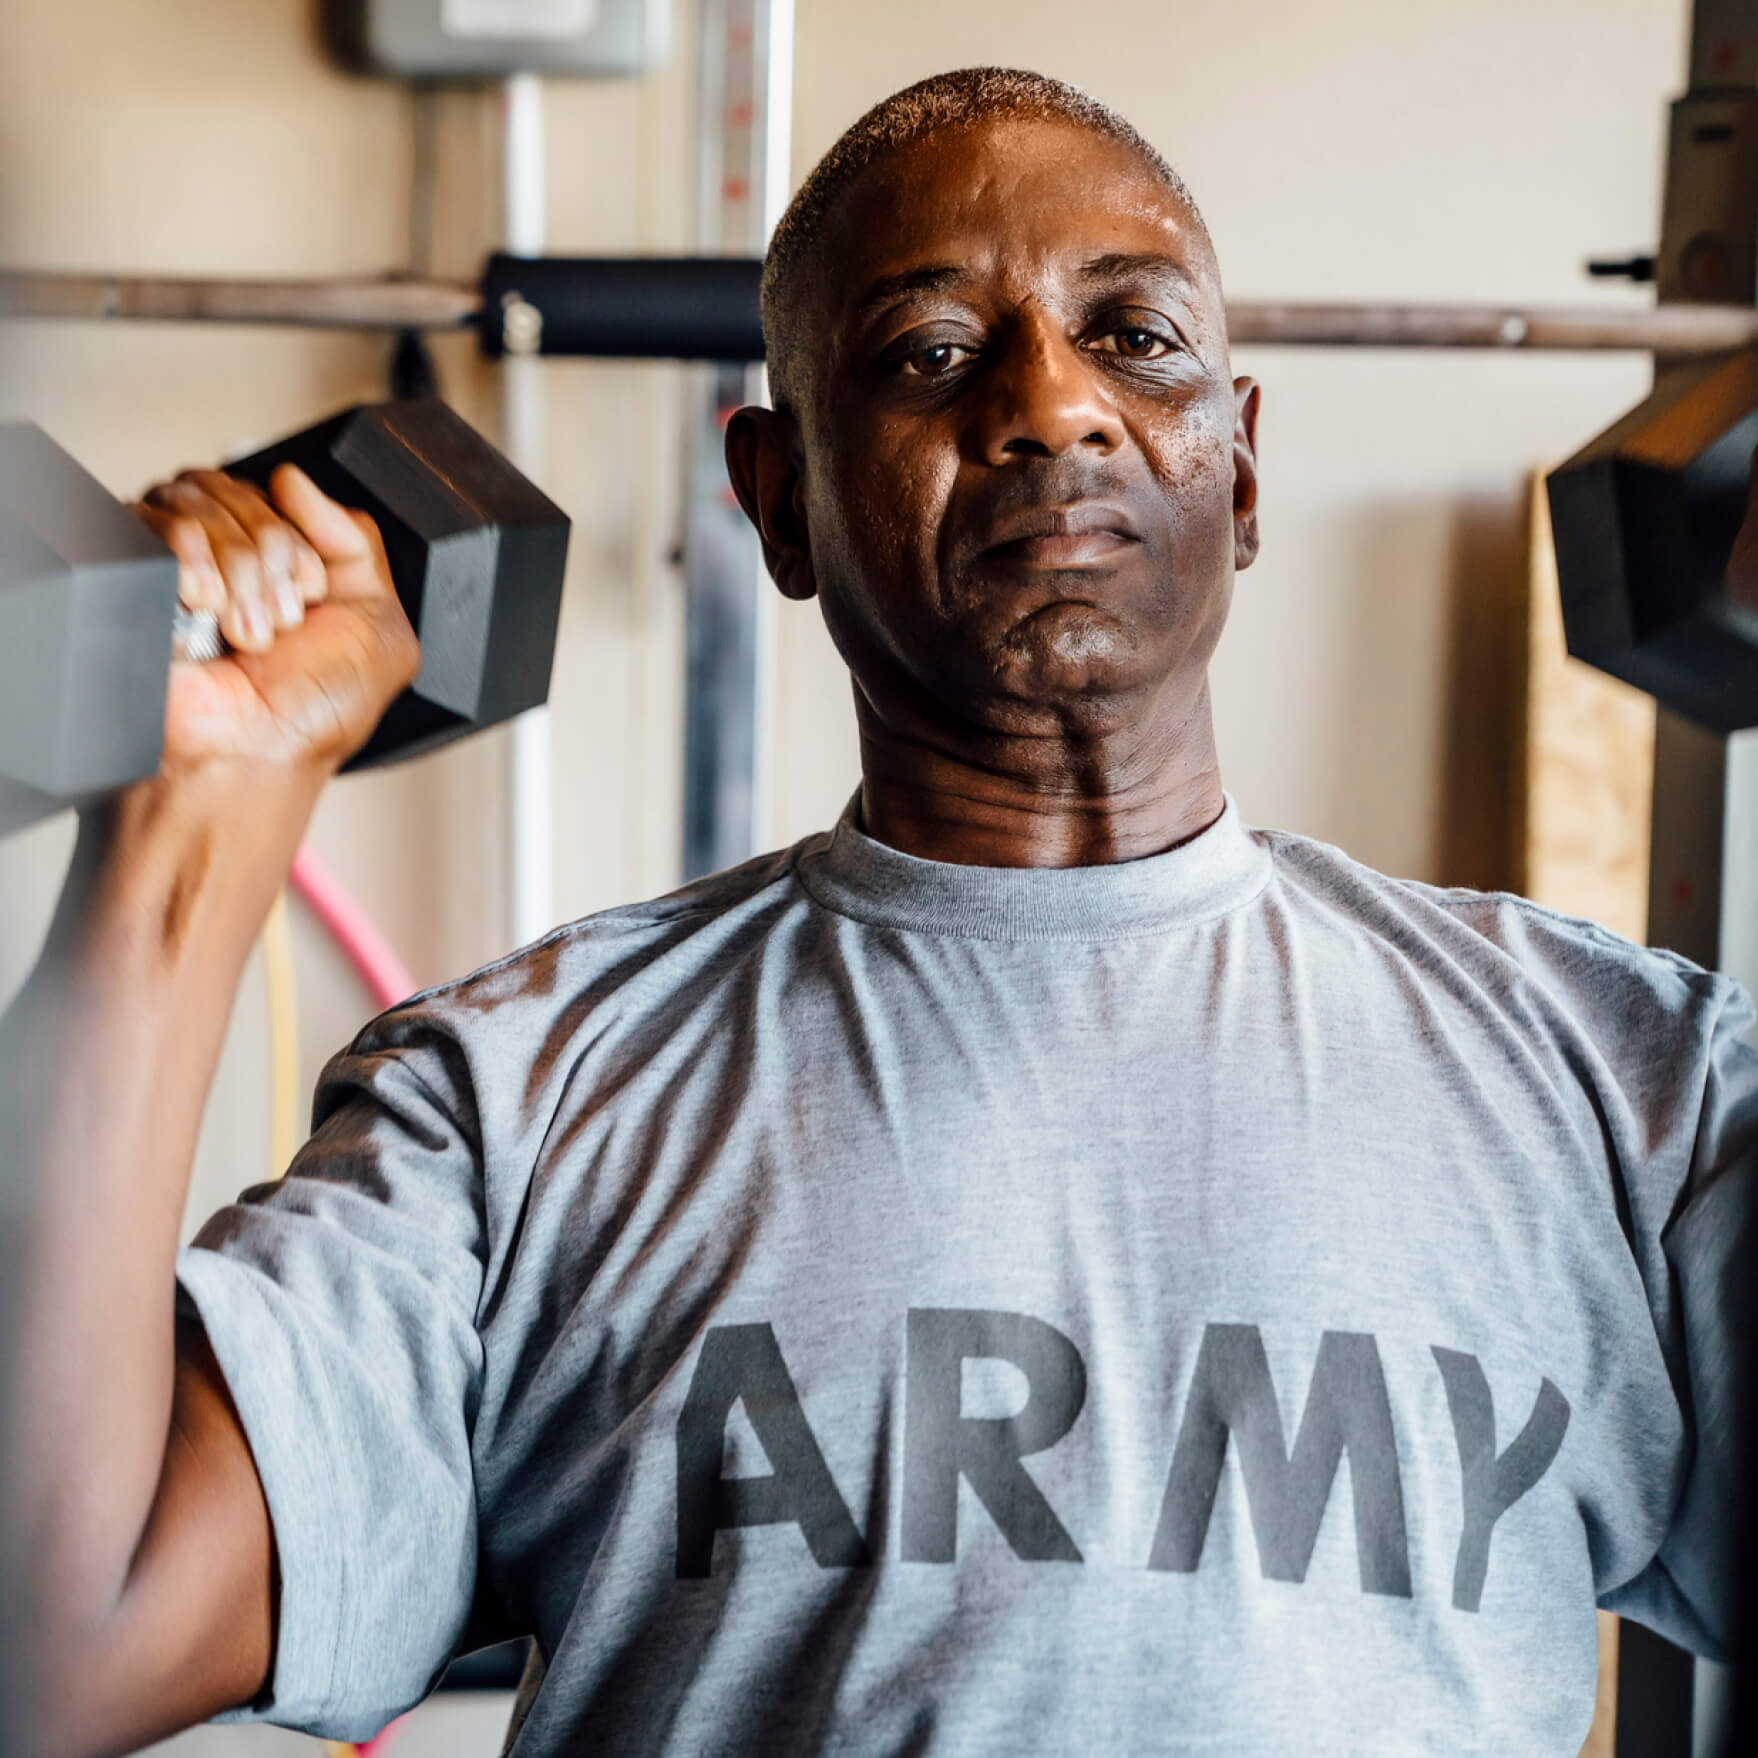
point(338, 535)
point(358, 571)
point(281, 551)
point(200, 585)
point(245, 619)
point(258, 561)
point(311, 579)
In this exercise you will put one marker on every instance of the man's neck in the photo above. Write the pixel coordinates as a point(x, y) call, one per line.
point(1068, 800)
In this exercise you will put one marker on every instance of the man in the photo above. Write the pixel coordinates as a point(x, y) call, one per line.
point(918, 1292)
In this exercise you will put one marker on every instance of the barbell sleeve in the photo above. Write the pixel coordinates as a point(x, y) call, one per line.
point(318, 304)
point(1668, 329)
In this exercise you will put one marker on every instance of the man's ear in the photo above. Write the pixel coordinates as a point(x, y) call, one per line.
point(1247, 394)
point(763, 458)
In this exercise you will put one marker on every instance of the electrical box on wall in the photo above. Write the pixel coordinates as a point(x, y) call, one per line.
point(489, 39)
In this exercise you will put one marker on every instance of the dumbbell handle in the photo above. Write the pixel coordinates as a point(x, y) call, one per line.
point(195, 635)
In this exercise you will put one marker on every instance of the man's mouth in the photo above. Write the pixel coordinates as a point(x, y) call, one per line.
point(1084, 534)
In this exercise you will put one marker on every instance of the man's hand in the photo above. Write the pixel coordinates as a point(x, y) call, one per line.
point(303, 593)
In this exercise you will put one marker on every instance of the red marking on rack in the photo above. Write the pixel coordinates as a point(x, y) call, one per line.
point(735, 189)
point(741, 115)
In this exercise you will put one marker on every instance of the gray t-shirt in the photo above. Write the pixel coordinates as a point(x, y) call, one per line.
point(1229, 1302)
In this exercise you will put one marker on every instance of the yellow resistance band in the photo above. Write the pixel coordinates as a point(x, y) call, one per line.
point(277, 950)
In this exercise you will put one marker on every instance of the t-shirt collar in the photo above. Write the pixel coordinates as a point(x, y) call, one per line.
point(1221, 869)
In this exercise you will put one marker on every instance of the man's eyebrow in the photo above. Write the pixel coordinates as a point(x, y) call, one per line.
point(1118, 264)
point(889, 288)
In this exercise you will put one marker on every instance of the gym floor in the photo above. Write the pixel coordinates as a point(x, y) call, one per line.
point(1365, 691)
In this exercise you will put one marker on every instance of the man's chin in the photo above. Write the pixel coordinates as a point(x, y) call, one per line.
point(1068, 650)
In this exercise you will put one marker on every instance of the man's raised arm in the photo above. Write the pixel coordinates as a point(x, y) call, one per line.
point(139, 1529)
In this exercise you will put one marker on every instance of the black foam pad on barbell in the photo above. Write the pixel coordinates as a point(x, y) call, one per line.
point(477, 553)
point(1644, 519)
point(87, 596)
point(635, 308)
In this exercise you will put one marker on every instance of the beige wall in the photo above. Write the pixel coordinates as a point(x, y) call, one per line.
point(1415, 150)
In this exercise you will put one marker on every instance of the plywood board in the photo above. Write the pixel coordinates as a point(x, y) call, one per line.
point(1587, 768)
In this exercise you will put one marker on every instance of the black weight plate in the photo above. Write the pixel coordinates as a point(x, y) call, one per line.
point(1644, 519)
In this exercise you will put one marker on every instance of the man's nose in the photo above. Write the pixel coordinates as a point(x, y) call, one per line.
point(1047, 399)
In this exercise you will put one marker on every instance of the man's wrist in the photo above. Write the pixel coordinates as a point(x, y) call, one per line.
point(175, 863)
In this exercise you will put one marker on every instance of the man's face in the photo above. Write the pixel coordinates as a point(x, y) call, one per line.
point(1025, 473)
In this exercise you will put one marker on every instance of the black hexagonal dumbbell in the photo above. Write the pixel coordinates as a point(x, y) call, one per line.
point(1645, 519)
point(88, 597)
point(476, 551)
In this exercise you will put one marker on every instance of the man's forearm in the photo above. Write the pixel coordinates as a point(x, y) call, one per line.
point(107, 1060)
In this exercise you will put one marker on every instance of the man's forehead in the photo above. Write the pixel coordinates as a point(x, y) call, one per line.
point(954, 277)
point(961, 203)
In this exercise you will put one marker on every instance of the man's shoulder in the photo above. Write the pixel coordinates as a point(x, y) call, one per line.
point(1495, 936)
point(699, 926)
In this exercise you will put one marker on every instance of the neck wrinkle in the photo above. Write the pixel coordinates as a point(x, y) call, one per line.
point(1044, 801)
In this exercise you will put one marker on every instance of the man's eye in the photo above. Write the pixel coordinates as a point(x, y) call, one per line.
point(939, 357)
point(1133, 344)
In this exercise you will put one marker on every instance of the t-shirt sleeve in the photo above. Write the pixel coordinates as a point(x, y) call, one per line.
point(1693, 1239)
point(341, 1306)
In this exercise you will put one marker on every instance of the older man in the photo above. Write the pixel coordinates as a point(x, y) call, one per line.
point(920, 1291)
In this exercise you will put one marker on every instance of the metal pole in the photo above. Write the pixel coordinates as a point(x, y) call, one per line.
point(777, 65)
point(524, 423)
point(746, 109)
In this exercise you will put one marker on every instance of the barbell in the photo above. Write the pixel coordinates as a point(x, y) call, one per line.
point(705, 308)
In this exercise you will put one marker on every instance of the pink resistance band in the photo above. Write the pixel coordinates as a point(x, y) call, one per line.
point(365, 944)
